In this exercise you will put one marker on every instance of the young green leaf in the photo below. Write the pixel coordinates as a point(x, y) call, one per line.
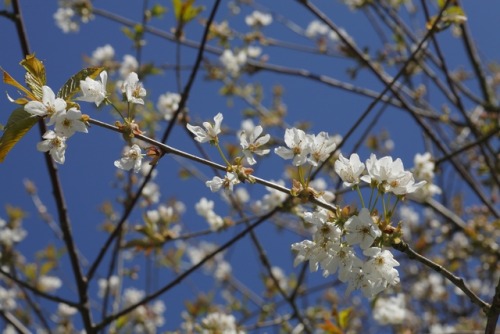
point(72, 86)
point(35, 74)
point(20, 122)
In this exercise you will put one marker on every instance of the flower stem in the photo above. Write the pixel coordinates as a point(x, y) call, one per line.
point(360, 195)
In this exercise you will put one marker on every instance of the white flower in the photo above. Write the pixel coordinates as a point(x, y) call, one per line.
point(67, 123)
point(253, 51)
point(132, 158)
point(129, 65)
point(93, 90)
point(50, 105)
point(168, 104)
point(271, 200)
point(219, 323)
point(381, 266)
point(151, 193)
point(320, 146)
point(7, 299)
point(317, 29)
point(49, 283)
point(390, 176)
point(204, 207)
point(251, 143)
point(222, 271)
point(361, 230)
point(54, 144)
point(65, 311)
point(226, 183)
point(9, 235)
point(298, 147)
point(343, 259)
point(349, 170)
point(112, 285)
point(64, 20)
point(358, 279)
point(311, 251)
point(233, 62)
point(102, 54)
point(390, 311)
point(258, 19)
point(133, 89)
point(211, 131)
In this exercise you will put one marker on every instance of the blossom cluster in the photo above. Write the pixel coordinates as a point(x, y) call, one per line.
point(385, 174)
point(205, 208)
point(333, 250)
point(66, 123)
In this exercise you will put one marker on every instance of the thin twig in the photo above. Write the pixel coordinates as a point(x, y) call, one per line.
point(457, 281)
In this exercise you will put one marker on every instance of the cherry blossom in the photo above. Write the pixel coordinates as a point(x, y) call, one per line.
point(298, 147)
point(209, 133)
point(349, 170)
point(54, 144)
point(133, 89)
point(131, 159)
point(320, 145)
point(390, 176)
point(361, 230)
point(168, 104)
point(226, 183)
point(93, 90)
point(252, 142)
point(69, 122)
point(258, 19)
point(49, 106)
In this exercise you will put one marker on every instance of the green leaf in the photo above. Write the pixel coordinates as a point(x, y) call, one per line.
point(344, 317)
point(20, 122)
point(158, 10)
point(72, 86)
point(35, 74)
point(185, 11)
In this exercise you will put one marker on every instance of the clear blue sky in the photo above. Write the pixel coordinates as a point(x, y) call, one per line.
point(88, 172)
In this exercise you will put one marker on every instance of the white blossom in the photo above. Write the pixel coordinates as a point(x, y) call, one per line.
point(128, 65)
point(390, 311)
point(227, 183)
point(168, 104)
point(271, 200)
point(93, 90)
point(258, 19)
point(298, 147)
point(133, 89)
point(349, 170)
point(7, 299)
point(49, 106)
point(210, 132)
point(233, 62)
point(112, 285)
point(219, 323)
point(317, 29)
point(381, 266)
point(10, 235)
point(361, 230)
point(252, 143)
point(54, 144)
point(131, 159)
point(102, 54)
point(321, 146)
point(390, 176)
point(69, 122)
point(48, 283)
point(64, 18)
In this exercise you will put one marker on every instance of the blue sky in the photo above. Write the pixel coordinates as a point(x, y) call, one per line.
point(88, 172)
